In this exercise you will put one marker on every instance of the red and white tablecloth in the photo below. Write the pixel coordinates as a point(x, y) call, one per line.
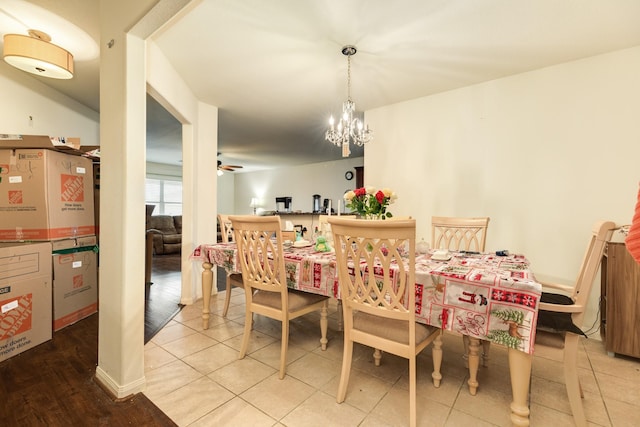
point(485, 296)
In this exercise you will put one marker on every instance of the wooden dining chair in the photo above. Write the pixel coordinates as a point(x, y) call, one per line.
point(233, 279)
point(561, 312)
point(459, 233)
point(463, 234)
point(265, 281)
point(379, 310)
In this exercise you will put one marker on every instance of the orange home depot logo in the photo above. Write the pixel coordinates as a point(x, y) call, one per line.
point(71, 188)
point(16, 320)
point(4, 169)
point(15, 197)
point(77, 281)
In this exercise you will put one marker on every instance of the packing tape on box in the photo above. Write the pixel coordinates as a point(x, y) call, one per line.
point(93, 248)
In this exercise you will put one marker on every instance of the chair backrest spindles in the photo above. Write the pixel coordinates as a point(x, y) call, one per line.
point(459, 233)
point(375, 246)
point(261, 256)
point(225, 228)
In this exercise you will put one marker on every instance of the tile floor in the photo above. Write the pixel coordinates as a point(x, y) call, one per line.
point(195, 377)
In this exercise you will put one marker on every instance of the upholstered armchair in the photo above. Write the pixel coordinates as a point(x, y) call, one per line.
point(167, 233)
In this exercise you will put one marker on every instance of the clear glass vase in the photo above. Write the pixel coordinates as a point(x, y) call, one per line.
point(372, 216)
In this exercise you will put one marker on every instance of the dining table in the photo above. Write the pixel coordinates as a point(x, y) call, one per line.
point(485, 296)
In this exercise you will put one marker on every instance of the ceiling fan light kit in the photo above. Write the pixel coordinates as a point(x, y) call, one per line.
point(36, 54)
point(349, 128)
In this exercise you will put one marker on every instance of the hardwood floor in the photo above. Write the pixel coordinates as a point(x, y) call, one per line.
point(163, 296)
point(52, 385)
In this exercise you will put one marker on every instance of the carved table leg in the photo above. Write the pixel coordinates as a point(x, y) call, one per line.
point(474, 363)
point(207, 284)
point(324, 323)
point(520, 371)
point(436, 354)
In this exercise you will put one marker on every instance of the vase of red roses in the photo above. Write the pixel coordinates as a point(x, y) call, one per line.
point(369, 202)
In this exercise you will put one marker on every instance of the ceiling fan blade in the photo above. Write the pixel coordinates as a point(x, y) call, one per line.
point(226, 168)
point(234, 166)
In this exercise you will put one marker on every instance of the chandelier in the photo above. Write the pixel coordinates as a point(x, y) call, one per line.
point(349, 127)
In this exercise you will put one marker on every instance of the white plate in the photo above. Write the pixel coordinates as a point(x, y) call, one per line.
point(302, 244)
point(441, 258)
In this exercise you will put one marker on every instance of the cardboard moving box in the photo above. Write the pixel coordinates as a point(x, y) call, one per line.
point(25, 297)
point(45, 195)
point(59, 143)
point(75, 280)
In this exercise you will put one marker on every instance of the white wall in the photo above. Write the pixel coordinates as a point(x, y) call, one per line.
point(29, 107)
point(545, 154)
point(299, 182)
point(226, 190)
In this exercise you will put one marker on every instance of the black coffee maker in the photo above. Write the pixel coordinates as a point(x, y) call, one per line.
point(316, 203)
point(326, 206)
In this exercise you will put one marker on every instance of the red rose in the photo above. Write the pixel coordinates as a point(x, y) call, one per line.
point(360, 192)
point(380, 196)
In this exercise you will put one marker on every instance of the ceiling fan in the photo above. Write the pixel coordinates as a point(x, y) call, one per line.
point(229, 168)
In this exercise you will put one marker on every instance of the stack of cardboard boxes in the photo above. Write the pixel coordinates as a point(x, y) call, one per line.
point(48, 258)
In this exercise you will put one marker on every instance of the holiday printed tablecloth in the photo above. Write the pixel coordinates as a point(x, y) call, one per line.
point(485, 296)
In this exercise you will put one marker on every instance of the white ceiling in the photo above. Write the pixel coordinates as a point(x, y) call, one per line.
point(275, 70)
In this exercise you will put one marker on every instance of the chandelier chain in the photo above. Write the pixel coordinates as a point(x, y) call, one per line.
point(349, 77)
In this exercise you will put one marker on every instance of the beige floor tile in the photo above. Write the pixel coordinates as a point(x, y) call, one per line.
point(373, 420)
point(550, 394)
point(278, 397)
point(270, 354)
point(235, 413)
point(168, 378)
point(257, 340)
point(186, 404)
point(393, 410)
point(618, 388)
point(188, 345)
point(446, 394)
point(248, 392)
point(155, 356)
point(197, 325)
point(267, 326)
point(224, 330)
point(235, 311)
point(489, 405)
point(391, 367)
point(321, 410)
point(335, 348)
point(211, 358)
point(241, 375)
point(172, 332)
point(363, 391)
point(623, 414)
point(545, 416)
point(621, 367)
point(313, 370)
point(460, 419)
point(189, 312)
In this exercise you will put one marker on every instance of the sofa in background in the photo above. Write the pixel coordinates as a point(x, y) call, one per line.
point(167, 233)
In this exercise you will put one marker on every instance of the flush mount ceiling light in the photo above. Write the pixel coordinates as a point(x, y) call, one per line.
point(36, 54)
point(349, 127)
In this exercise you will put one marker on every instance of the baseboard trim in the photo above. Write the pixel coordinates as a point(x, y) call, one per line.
point(116, 391)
